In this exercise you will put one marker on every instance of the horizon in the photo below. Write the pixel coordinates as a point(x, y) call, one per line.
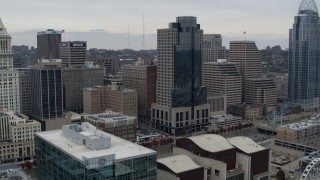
point(107, 24)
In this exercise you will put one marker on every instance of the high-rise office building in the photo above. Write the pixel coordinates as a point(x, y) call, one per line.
point(74, 80)
point(48, 44)
point(9, 77)
point(261, 91)
point(247, 55)
point(223, 78)
point(83, 152)
point(142, 78)
point(46, 90)
point(25, 90)
point(73, 53)
point(212, 48)
point(304, 58)
point(181, 99)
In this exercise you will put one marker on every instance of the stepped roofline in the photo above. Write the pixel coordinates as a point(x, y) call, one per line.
point(308, 7)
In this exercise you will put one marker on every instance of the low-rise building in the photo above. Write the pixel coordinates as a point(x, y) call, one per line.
point(83, 152)
point(300, 130)
point(225, 121)
point(114, 123)
point(248, 111)
point(218, 158)
point(17, 137)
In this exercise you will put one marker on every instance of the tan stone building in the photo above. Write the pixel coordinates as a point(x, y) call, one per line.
point(218, 104)
point(223, 78)
point(143, 79)
point(114, 123)
point(114, 97)
point(261, 91)
point(17, 137)
point(212, 48)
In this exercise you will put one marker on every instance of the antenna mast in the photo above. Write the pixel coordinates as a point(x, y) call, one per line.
point(143, 30)
point(128, 37)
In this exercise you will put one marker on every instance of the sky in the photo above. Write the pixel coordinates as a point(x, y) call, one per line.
point(106, 23)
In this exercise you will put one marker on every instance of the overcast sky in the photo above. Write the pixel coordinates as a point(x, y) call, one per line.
point(105, 23)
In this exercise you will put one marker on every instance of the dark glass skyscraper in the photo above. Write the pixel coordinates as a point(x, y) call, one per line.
point(181, 98)
point(304, 58)
point(46, 92)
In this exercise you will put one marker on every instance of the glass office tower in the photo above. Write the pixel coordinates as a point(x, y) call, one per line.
point(304, 58)
point(181, 99)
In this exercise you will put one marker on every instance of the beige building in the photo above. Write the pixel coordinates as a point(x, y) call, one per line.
point(247, 55)
point(218, 104)
point(110, 65)
point(261, 91)
point(114, 123)
point(143, 79)
point(17, 136)
point(212, 48)
point(114, 97)
point(253, 112)
point(223, 78)
point(299, 131)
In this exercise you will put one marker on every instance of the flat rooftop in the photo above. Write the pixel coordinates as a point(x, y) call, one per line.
point(302, 124)
point(110, 117)
point(121, 148)
point(225, 118)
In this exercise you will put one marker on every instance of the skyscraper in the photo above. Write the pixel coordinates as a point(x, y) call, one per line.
point(304, 58)
point(9, 77)
point(74, 80)
point(142, 78)
point(46, 90)
point(48, 44)
point(181, 99)
point(212, 48)
point(247, 55)
point(73, 52)
point(223, 78)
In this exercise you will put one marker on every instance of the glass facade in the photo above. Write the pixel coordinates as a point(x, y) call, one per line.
point(304, 59)
point(53, 163)
point(188, 90)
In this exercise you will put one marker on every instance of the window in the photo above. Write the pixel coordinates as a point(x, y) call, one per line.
point(217, 172)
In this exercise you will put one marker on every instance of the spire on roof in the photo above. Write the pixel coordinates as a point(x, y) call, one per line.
point(3, 29)
point(308, 7)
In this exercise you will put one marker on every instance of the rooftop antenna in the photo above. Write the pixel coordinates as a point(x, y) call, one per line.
point(128, 37)
point(143, 30)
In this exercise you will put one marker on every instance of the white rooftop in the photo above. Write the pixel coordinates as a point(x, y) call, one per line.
point(179, 163)
point(110, 116)
point(121, 148)
point(211, 142)
point(302, 124)
point(245, 144)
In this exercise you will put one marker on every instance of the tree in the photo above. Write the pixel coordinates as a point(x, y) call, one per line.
point(280, 175)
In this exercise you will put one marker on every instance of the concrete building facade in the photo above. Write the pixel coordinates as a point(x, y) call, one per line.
point(114, 97)
point(110, 65)
point(114, 123)
point(25, 90)
point(212, 48)
point(48, 44)
point(73, 53)
point(9, 77)
point(74, 80)
point(142, 78)
point(17, 137)
point(223, 78)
